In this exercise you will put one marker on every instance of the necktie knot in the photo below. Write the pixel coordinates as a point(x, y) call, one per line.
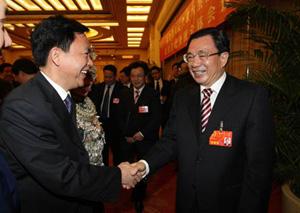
point(137, 95)
point(207, 92)
point(68, 103)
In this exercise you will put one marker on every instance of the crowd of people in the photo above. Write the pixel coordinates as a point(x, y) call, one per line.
point(58, 125)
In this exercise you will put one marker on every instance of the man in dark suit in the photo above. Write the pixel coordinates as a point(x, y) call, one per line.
point(38, 133)
point(106, 98)
point(221, 133)
point(163, 89)
point(9, 202)
point(139, 120)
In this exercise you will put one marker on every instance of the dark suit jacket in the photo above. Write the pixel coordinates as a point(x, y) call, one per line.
point(132, 118)
point(165, 107)
point(9, 200)
point(45, 153)
point(221, 179)
point(165, 90)
point(111, 129)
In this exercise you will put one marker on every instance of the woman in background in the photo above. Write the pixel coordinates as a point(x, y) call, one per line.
point(87, 120)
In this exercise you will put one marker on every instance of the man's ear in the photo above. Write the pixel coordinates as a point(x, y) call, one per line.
point(54, 55)
point(224, 58)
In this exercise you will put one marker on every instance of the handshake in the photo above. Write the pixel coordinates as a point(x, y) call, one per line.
point(132, 173)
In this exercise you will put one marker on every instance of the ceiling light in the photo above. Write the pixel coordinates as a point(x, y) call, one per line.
point(127, 56)
point(134, 34)
point(134, 39)
point(138, 9)
point(20, 25)
point(83, 4)
point(135, 29)
point(29, 5)
point(57, 5)
point(14, 6)
point(44, 5)
point(9, 26)
point(70, 5)
point(111, 38)
point(96, 4)
point(133, 45)
point(16, 46)
point(138, 1)
point(102, 24)
point(91, 33)
point(134, 42)
point(137, 18)
point(30, 25)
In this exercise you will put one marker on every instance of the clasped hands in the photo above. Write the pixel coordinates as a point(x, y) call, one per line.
point(132, 173)
point(136, 137)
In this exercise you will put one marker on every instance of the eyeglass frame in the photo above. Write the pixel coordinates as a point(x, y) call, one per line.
point(206, 56)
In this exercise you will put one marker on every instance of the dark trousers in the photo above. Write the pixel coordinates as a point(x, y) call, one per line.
point(133, 152)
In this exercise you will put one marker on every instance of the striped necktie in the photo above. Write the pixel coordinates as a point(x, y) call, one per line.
point(206, 108)
point(137, 95)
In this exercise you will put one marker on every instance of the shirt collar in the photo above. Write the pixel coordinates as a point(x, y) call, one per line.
point(140, 89)
point(61, 92)
point(216, 87)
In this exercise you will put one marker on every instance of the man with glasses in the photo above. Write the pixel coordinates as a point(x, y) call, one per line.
point(221, 133)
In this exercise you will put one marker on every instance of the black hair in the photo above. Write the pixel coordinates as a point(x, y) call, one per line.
point(175, 65)
point(180, 62)
point(25, 65)
point(141, 64)
point(155, 68)
point(110, 67)
point(126, 71)
point(218, 35)
point(55, 31)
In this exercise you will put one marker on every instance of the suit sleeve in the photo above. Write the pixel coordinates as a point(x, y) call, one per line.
point(165, 149)
point(259, 142)
point(31, 134)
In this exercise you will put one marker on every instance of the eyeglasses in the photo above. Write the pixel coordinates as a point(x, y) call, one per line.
point(190, 57)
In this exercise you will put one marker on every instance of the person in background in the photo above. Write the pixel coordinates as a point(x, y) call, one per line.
point(39, 136)
point(162, 87)
point(6, 72)
point(139, 115)
point(88, 125)
point(124, 77)
point(90, 129)
point(221, 133)
point(24, 70)
point(9, 198)
point(106, 99)
point(184, 78)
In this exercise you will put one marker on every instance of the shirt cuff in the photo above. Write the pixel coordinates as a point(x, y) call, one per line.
point(147, 167)
point(141, 135)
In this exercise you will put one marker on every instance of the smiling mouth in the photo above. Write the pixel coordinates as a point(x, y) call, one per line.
point(202, 71)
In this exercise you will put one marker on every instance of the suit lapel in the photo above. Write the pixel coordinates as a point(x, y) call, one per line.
point(223, 103)
point(59, 108)
point(193, 104)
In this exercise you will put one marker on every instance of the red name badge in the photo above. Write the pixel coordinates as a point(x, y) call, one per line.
point(221, 138)
point(143, 109)
point(116, 100)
